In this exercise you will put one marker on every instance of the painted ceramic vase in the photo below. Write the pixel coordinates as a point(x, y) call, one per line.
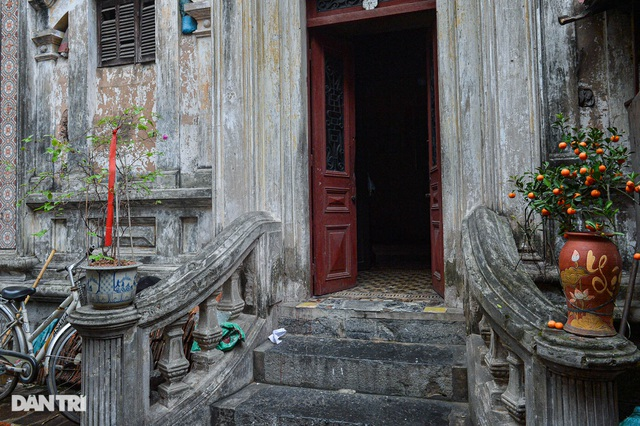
point(111, 287)
point(590, 270)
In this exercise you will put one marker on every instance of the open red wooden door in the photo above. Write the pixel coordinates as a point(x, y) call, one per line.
point(435, 171)
point(333, 161)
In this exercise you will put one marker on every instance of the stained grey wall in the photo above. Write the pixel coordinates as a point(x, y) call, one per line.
point(232, 101)
point(260, 123)
point(505, 68)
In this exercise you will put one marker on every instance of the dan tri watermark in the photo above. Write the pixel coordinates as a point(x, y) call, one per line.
point(48, 403)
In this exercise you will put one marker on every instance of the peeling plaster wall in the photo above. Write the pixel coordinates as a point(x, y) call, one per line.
point(126, 85)
point(177, 85)
point(506, 68)
point(260, 123)
point(233, 103)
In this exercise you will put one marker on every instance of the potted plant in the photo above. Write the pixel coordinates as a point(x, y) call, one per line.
point(583, 197)
point(102, 175)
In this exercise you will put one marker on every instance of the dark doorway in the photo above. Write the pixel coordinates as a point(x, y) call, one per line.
point(392, 158)
point(391, 215)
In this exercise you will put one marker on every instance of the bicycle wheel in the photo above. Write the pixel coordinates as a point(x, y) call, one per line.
point(65, 368)
point(8, 341)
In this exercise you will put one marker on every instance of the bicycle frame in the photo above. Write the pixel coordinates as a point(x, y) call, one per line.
point(25, 337)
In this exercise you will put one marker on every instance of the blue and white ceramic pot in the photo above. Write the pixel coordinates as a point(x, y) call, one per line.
point(111, 287)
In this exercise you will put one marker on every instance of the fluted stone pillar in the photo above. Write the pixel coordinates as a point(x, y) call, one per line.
point(105, 363)
point(581, 388)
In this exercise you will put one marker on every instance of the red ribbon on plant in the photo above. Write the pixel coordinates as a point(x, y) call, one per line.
point(111, 189)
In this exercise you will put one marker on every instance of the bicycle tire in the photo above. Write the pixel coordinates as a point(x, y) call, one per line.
point(65, 369)
point(8, 341)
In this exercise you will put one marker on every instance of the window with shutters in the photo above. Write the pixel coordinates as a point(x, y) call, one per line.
point(126, 32)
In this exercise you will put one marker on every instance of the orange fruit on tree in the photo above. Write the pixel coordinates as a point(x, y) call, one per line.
point(630, 183)
point(576, 195)
point(583, 170)
point(602, 167)
point(577, 151)
point(512, 195)
point(571, 211)
point(545, 212)
point(600, 151)
point(636, 256)
point(615, 138)
point(595, 193)
point(540, 177)
point(583, 156)
point(565, 172)
point(531, 195)
point(562, 145)
point(590, 228)
point(557, 191)
point(629, 189)
point(637, 188)
point(583, 144)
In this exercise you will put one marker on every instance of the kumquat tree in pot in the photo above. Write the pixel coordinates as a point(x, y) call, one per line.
point(583, 197)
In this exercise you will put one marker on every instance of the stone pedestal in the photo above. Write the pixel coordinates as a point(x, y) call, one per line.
point(105, 336)
point(581, 373)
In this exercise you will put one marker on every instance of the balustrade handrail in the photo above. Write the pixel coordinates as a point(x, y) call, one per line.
point(504, 291)
point(541, 376)
point(196, 280)
point(241, 267)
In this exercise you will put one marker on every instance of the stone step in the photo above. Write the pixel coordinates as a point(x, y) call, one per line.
point(366, 320)
point(264, 404)
point(383, 368)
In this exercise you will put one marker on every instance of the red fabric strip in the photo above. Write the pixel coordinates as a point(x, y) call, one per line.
point(111, 189)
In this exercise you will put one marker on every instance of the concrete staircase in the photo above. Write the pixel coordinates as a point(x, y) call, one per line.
point(361, 364)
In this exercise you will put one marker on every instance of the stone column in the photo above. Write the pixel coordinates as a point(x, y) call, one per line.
point(105, 363)
point(514, 397)
point(173, 364)
point(232, 301)
point(581, 373)
point(496, 361)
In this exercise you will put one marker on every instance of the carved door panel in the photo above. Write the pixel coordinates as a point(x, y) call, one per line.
point(333, 161)
point(435, 171)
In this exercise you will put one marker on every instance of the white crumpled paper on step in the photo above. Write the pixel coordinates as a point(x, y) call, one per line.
point(277, 335)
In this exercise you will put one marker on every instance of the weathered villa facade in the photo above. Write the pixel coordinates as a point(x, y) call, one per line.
point(350, 123)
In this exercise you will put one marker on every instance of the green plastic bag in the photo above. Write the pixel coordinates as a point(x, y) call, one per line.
point(231, 335)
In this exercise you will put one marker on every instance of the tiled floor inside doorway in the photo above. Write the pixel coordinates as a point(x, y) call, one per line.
point(385, 289)
point(392, 283)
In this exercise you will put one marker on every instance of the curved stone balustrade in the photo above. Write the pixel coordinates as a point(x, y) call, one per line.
point(241, 268)
point(529, 373)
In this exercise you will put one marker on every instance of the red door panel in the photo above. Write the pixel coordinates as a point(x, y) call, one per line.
point(333, 160)
point(435, 172)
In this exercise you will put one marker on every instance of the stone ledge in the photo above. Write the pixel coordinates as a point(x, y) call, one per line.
point(201, 12)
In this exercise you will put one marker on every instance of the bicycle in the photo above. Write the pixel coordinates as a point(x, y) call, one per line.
point(61, 352)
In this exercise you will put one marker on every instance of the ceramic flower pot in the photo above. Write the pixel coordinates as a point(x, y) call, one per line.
point(111, 287)
point(590, 270)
